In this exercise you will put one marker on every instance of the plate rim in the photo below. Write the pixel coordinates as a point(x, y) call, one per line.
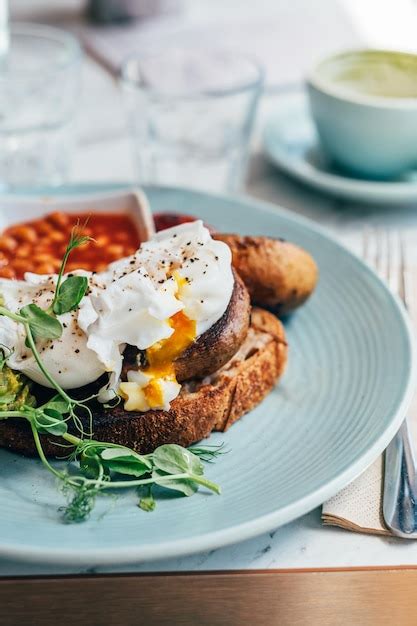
point(372, 191)
point(247, 530)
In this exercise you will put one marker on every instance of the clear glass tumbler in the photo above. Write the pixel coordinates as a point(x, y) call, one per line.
point(191, 115)
point(39, 83)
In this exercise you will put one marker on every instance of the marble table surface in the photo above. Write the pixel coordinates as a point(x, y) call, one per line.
point(104, 155)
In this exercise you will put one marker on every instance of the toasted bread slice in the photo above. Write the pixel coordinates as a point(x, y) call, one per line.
point(203, 406)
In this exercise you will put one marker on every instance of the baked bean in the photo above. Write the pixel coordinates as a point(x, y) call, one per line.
point(22, 265)
point(57, 236)
point(44, 228)
point(101, 241)
point(44, 268)
point(44, 257)
point(23, 251)
point(58, 219)
point(115, 251)
point(24, 233)
point(56, 263)
point(7, 272)
point(7, 243)
point(44, 248)
point(71, 267)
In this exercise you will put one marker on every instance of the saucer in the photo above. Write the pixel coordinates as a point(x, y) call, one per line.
point(291, 143)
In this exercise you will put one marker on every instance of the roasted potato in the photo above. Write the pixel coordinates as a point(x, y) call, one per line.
point(278, 274)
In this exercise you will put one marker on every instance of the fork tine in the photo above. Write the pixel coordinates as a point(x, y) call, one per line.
point(365, 244)
point(403, 279)
point(383, 256)
point(371, 248)
point(389, 271)
point(383, 252)
point(378, 252)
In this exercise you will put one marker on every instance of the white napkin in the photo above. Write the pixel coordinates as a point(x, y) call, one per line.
point(358, 507)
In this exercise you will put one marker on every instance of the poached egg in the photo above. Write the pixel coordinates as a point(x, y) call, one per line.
point(159, 300)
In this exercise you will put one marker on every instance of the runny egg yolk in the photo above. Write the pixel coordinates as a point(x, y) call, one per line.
point(161, 356)
point(160, 366)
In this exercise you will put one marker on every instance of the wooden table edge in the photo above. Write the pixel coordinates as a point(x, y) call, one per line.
point(365, 596)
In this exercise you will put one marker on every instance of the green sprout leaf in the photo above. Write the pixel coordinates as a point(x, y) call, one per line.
point(58, 404)
point(125, 461)
point(49, 421)
point(70, 294)
point(77, 239)
point(42, 325)
point(185, 485)
point(173, 459)
point(5, 353)
point(90, 464)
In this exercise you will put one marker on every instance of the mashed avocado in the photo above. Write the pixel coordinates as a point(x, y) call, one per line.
point(14, 390)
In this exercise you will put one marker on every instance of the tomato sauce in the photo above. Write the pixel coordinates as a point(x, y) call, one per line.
point(39, 245)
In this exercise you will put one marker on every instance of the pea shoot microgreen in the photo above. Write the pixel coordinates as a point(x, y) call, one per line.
point(104, 466)
point(68, 294)
point(71, 293)
point(42, 325)
point(95, 466)
point(208, 453)
point(5, 353)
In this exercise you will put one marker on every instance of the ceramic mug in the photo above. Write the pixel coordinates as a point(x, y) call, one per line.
point(364, 104)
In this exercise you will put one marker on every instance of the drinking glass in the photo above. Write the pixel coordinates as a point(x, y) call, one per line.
point(191, 115)
point(39, 82)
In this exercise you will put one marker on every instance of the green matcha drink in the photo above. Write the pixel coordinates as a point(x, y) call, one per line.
point(364, 105)
point(378, 73)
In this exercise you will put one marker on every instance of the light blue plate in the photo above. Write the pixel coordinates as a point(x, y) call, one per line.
point(338, 405)
point(291, 143)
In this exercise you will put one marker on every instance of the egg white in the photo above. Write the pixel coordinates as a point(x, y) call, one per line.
point(68, 359)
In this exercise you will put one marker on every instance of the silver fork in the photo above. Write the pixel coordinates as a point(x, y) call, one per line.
point(400, 472)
